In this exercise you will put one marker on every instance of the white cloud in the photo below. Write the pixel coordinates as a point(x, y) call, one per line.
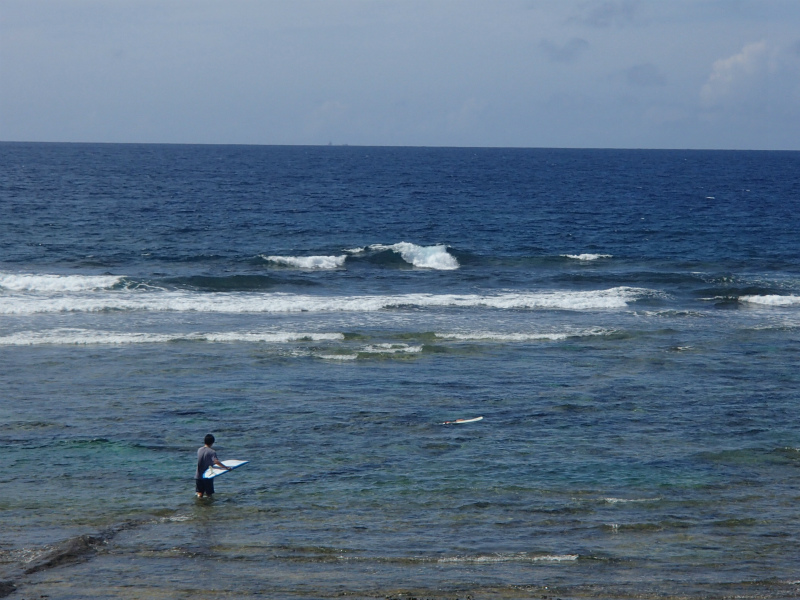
point(737, 77)
point(754, 94)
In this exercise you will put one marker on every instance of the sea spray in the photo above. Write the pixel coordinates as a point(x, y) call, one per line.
point(309, 262)
point(424, 257)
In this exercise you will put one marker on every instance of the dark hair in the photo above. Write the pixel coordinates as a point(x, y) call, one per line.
point(208, 440)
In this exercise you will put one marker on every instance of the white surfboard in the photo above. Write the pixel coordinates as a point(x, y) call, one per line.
point(460, 421)
point(214, 471)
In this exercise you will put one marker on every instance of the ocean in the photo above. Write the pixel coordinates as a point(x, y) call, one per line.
point(626, 322)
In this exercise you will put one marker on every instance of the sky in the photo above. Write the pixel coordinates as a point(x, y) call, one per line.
point(717, 74)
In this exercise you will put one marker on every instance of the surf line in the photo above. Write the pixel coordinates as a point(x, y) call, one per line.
point(460, 421)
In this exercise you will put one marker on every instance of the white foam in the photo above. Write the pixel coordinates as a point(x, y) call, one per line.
point(772, 300)
point(499, 558)
point(424, 257)
point(342, 357)
point(784, 325)
point(309, 262)
point(57, 283)
point(521, 337)
point(391, 349)
point(629, 500)
point(86, 337)
point(374, 349)
point(586, 257)
point(258, 302)
point(271, 337)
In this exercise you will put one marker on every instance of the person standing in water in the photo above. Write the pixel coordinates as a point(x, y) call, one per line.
point(206, 456)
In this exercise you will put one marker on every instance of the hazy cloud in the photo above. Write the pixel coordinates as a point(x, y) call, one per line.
point(583, 73)
point(567, 52)
point(326, 117)
point(667, 115)
point(466, 116)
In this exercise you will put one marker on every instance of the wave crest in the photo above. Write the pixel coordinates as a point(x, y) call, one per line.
point(57, 283)
point(309, 262)
point(519, 557)
point(586, 257)
point(424, 257)
point(772, 300)
point(252, 302)
point(86, 337)
point(490, 336)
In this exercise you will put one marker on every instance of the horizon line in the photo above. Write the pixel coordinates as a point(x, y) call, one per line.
point(409, 146)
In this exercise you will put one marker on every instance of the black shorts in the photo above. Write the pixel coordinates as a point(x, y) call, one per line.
point(204, 486)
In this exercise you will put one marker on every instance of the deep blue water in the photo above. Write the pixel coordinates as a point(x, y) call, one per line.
point(626, 322)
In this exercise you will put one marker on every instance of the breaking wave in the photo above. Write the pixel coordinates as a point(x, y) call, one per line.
point(80, 337)
point(629, 500)
point(341, 357)
point(519, 557)
point(586, 257)
point(252, 302)
point(490, 336)
point(390, 349)
point(57, 283)
point(75, 336)
point(424, 257)
point(309, 262)
point(772, 300)
point(371, 350)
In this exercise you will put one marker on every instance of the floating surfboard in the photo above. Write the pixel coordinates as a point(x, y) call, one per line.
point(213, 471)
point(459, 421)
